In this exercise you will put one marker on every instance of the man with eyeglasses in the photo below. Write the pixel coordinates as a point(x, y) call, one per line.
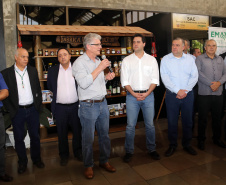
point(64, 105)
point(23, 103)
point(88, 70)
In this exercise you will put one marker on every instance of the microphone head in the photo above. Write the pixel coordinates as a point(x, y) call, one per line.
point(103, 57)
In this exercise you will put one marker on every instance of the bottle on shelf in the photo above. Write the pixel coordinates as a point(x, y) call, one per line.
point(50, 65)
point(114, 88)
point(110, 86)
point(116, 68)
point(118, 87)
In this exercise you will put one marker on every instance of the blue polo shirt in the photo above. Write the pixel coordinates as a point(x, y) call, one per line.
point(2, 86)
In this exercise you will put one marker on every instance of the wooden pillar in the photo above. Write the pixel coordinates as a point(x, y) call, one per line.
point(124, 17)
point(129, 45)
point(67, 21)
point(38, 60)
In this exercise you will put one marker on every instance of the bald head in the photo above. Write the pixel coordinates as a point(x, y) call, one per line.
point(21, 58)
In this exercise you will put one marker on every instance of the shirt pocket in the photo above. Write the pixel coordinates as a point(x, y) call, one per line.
point(220, 66)
point(147, 70)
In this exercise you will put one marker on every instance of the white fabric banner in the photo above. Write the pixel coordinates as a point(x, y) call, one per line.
point(219, 35)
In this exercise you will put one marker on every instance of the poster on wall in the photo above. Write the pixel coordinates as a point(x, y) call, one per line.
point(190, 22)
point(219, 35)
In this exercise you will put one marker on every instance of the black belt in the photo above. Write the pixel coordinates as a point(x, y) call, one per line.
point(26, 106)
point(67, 104)
point(93, 101)
point(142, 91)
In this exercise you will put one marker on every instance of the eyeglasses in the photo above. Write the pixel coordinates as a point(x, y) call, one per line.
point(96, 44)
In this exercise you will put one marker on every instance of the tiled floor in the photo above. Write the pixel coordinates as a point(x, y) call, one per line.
point(208, 167)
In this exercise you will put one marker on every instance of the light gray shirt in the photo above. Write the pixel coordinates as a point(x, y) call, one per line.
point(87, 87)
point(210, 70)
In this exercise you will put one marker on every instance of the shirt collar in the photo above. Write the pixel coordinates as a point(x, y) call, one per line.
point(19, 69)
point(172, 56)
point(61, 67)
point(86, 57)
point(142, 56)
point(206, 56)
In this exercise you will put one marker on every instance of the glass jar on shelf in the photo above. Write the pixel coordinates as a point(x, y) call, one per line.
point(81, 52)
point(40, 52)
point(46, 53)
point(107, 51)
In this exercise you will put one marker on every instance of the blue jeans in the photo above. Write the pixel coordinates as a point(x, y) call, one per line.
point(94, 115)
point(2, 144)
point(173, 107)
point(132, 108)
point(31, 117)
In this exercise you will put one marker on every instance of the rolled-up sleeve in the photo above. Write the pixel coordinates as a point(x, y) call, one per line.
point(82, 76)
point(124, 73)
point(155, 73)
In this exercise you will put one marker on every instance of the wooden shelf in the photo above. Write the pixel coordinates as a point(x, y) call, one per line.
point(119, 116)
point(115, 96)
point(46, 102)
point(43, 80)
point(42, 126)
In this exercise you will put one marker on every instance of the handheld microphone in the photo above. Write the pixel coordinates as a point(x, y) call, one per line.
point(109, 67)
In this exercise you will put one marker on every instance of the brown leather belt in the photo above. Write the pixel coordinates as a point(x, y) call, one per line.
point(93, 101)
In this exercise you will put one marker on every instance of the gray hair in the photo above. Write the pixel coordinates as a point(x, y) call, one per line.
point(178, 38)
point(208, 41)
point(89, 38)
point(187, 41)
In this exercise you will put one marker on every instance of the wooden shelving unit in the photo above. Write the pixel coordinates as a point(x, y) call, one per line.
point(68, 30)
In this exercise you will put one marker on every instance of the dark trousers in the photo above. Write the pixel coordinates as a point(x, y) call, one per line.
point(2, 144)
point(31, 117)
point(214, 104)
point(67, 116)
point(173, 107)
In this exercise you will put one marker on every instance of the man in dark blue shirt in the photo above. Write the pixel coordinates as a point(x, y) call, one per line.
point(3, 94)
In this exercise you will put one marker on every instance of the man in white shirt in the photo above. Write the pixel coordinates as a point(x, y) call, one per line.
point(140, 76)
point(64, 105)
point(23, 103)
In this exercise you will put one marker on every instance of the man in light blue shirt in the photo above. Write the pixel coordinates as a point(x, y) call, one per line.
point(179, 75)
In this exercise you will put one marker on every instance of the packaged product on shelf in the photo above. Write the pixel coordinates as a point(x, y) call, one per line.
point(46, 96)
